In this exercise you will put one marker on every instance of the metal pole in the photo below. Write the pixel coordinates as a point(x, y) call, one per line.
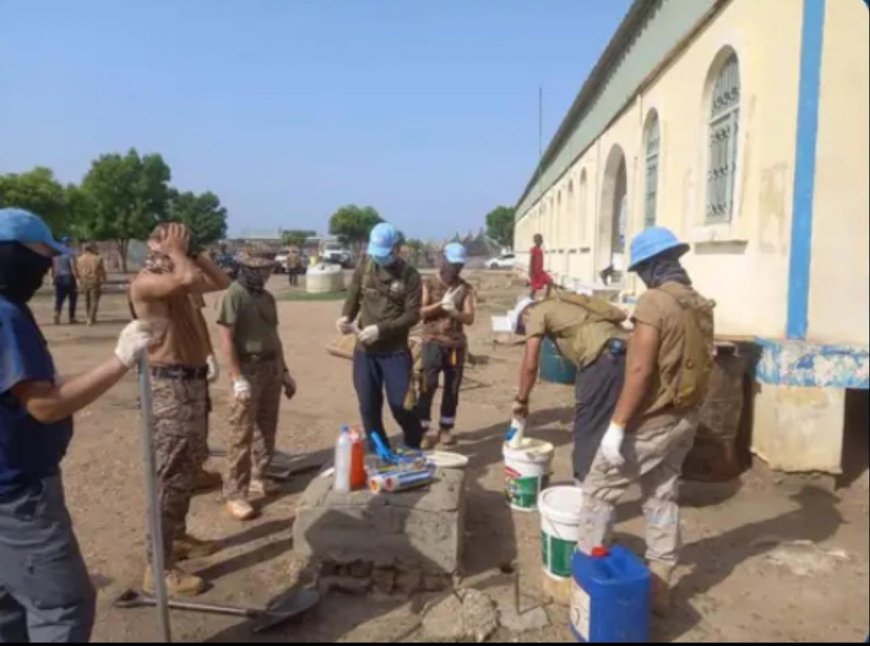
point(155, 522)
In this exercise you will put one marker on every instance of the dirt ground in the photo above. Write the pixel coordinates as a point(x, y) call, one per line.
point(767, 558)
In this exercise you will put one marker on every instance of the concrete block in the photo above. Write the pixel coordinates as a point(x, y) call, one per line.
point(799, 428)
point(422, 527)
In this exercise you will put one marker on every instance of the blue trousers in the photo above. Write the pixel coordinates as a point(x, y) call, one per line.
point(45, 592)
point(65, 288)
point(372, 375)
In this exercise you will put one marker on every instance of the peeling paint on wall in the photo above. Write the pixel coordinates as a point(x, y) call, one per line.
point(797, 363)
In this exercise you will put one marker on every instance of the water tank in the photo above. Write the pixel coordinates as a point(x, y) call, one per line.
point(324, 277)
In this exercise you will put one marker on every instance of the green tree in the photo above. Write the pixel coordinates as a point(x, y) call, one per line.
point(500, 225)
point(296, 237)
point(203, 215)
point(126, 196)
point(353, 224)
point(39, 192)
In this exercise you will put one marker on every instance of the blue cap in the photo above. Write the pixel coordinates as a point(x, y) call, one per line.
point(382, 240)
point(650, 242)
point(18, 225)
point(455, 254)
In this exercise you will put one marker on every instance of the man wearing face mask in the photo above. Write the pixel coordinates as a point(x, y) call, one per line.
point(670, 357)
point(448, 306)
point(248, 323)
point(179, 389)
point(385, 294)
point(46, 594)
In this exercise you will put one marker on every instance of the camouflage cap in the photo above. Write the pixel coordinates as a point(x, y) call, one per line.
point(256, 256)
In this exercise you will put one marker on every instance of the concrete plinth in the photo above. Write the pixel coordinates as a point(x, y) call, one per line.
point(418, 532)
point(799, 428)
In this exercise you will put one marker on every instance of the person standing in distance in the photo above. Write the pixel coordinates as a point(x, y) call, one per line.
point(385, 294)
point(65, 278)
point(46, 594)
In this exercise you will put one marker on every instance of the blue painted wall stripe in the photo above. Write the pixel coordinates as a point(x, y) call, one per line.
point(812, 33)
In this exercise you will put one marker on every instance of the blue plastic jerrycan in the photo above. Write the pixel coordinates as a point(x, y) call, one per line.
point(610, 600)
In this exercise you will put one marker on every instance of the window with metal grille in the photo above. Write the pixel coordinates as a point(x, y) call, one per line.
point(652, 170)
point(722, 143)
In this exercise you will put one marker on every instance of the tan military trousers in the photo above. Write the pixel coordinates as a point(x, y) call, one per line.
point(654, 458)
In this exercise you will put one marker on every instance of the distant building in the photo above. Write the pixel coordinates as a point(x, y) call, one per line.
point(742, 126)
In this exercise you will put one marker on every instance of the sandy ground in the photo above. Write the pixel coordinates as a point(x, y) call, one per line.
point(743, 577)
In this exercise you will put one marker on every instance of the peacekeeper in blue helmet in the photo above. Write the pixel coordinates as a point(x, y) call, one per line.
point(652, 429)
point(45, 592)
point(382, 306)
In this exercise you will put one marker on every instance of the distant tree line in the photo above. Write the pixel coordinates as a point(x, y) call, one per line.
point(121, 198)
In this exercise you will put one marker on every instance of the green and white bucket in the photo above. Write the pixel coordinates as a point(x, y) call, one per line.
point(527, 472)
point(560, 529)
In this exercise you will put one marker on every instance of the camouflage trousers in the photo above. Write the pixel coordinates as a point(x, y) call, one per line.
point(253, 427)
point(180, 409)
point(654, 458)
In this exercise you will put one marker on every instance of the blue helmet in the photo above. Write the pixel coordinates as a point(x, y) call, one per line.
point(651, 242)
point(382, 240)
point(18, 225)
point(455, 254)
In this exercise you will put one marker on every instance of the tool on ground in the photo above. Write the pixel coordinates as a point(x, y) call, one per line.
point(286, 606)
point(154, 519)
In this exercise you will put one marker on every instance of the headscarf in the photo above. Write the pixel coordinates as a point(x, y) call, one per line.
point(253, 278)
point(22, 272)
point(661, 269)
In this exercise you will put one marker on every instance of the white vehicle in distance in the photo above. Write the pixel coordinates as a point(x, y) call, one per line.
point(335, 253)
point(503, 261)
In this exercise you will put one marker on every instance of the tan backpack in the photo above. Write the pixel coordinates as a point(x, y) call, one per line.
point(692, 377)
point(598, 309)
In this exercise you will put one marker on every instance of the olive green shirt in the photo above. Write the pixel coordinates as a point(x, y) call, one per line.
point(579, 337)
point(388, 297)
point(253, 318)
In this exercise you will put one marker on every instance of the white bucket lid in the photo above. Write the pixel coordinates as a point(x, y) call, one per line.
point(561, 504)
point(531, 450)
point(447, 460)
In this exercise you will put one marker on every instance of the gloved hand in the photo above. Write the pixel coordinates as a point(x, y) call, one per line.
point(214, 370)
point(369, 335)
point(611, 444)
point(344, 326)
point(133, 342)
point(242, 390)
point(448, 305)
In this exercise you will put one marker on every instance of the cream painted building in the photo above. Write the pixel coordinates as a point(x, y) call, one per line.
point(742, 125)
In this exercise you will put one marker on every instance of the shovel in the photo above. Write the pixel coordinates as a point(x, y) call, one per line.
point(281, 609)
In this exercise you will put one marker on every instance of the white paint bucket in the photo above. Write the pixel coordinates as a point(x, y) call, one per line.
point(527, 472)
point(560, 529)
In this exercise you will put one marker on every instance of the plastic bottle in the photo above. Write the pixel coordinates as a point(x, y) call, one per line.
point(357, 461)
point(343, 448)
point(514, 436)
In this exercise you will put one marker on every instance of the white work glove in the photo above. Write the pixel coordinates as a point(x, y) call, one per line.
point(242, 389)
point(611, 445)
point(369, 335)
point(133, 342)
point(214, 370)
point(344, 326)
point(448, 305)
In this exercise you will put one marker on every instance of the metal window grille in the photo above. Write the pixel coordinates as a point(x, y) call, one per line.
point(652, 172)
point(722, 160)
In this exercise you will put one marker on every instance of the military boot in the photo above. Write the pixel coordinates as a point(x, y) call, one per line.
point(178, 583)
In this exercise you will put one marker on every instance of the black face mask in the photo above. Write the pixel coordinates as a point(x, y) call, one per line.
point(662, 269)
point(22, 272)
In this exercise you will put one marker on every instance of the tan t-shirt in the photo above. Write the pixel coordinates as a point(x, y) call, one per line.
point(91, 270)
point(578, 337)
point(663, 312)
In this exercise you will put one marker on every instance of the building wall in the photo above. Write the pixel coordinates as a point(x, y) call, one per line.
point(839, 287)
point(742, 265)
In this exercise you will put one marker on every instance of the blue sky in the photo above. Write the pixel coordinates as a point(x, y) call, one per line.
point(288, 109)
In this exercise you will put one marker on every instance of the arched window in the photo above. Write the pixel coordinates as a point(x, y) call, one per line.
point(722, 140)
point(651, 153)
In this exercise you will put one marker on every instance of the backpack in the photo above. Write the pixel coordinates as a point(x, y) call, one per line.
point(599, 310)
point(692, 377)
